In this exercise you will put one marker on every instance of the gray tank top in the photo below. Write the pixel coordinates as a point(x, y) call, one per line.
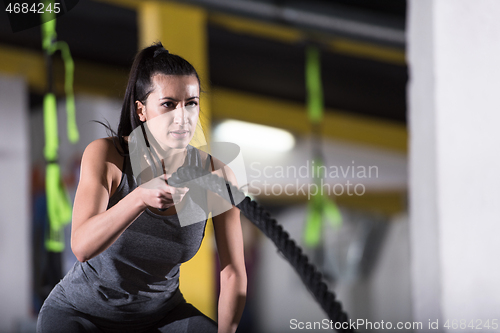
point(138, 275)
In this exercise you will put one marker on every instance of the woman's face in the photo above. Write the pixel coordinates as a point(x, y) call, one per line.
point(172, 109)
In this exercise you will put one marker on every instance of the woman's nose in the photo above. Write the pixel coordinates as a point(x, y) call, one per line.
point(180, 115)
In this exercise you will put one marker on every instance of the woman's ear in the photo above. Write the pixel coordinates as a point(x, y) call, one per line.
point(141, 110)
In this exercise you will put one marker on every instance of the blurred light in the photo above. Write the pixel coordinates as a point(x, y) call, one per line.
point(254, 136)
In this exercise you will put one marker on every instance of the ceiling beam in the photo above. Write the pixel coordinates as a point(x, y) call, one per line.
point(332, 23)
point(287, 34)
point(89, 78)
point(292, 116)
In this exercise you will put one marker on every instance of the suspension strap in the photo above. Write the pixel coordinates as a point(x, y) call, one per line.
point(320, 205)
point(58, 203)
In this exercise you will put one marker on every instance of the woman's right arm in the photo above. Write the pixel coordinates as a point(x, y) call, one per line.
point(94, 228)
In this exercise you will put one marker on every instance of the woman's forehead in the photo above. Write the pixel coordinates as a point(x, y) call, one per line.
point(176, 85)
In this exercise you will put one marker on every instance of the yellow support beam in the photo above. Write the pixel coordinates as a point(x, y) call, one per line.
point(293, 116)
point(384, 202)
point(28, 64)
point(182, 30)
point(368, 50)
point(90, 78)
point(104, 80)
point(131, 4)
point(256, 28)
point(291, 35)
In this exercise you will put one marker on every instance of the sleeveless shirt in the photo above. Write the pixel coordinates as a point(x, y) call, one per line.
point(138, 275)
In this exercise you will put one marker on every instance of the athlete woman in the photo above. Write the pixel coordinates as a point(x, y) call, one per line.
point(126, 232)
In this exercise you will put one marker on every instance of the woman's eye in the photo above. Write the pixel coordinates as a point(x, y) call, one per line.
point(168, 104)
point(192, 104)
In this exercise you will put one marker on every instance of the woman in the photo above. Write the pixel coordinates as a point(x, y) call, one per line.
point(127, 238)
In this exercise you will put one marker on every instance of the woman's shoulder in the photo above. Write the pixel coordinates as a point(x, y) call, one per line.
point(103, 152)
point(103, 148)
point(204, 156)
point(217, 167)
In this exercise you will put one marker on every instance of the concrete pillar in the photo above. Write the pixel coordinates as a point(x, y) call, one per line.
point(15, 205)
point(453, 55)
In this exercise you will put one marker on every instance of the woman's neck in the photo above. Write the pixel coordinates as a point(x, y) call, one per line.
point(165, 160)
point(172, 159)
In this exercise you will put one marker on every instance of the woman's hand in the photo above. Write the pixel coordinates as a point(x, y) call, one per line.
point(158, 194)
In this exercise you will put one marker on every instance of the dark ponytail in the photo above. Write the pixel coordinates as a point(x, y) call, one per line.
point(150, 61)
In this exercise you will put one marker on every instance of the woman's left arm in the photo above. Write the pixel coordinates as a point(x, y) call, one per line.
point(233, 277)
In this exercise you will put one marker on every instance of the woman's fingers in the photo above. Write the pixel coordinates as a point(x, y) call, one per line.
point(176, 193)
point(159, 194)
point(169, 195)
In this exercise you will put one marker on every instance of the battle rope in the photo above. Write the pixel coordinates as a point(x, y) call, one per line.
point(270, 227)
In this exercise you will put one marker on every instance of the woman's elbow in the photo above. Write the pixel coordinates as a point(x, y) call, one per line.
point(234, 278)
point(78, 251)
point(79, 257)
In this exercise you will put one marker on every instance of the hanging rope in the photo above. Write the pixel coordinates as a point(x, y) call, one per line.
point(320, 205)
point(270, 227)
point(58, 204)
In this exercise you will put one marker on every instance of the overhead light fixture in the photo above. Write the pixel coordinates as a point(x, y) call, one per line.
point(254, 136)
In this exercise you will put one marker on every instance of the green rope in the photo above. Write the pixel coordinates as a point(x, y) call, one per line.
point(58, 204)
point(50, 126)
point(48, 28)
point(313, 85)
point(69, 68)
point(320, 206)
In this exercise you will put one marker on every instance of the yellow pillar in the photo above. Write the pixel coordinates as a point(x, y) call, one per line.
point(182, 30)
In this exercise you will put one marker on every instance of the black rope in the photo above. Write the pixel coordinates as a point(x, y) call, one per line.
point(310, 276)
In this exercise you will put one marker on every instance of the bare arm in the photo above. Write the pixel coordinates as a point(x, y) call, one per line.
point(94, 228)
point(233, 277)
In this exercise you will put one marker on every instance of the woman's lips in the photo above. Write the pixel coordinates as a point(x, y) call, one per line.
point(179, 134)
